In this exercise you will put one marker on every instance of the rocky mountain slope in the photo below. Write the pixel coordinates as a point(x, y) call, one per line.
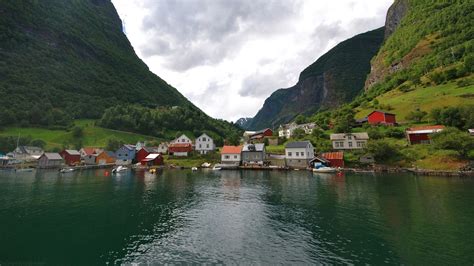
point(335, 78)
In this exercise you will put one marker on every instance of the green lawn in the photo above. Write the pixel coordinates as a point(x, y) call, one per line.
point(93, 135)
point(423, 98)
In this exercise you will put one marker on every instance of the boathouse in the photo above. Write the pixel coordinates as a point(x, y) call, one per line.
point(152, 159)
point(106, 157)
point(421, 135)
point(336, 159)
point(253, 154)
point(144, 152)
point(71, 157)
point(50, 160)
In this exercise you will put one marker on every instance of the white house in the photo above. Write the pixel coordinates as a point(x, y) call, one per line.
point(288, 129)
point(182, 139)
point(205, 144)
point(349, 141)
point(163, 148)
point(231, 155)
point(299, 153)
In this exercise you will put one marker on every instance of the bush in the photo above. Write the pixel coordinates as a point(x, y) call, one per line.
point(375, 133)
point(416, 116)
point(383, 150)
point(394, 132)
point(454, 139)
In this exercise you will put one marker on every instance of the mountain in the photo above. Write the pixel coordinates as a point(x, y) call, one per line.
point(243, 122)
point(335, 78)
point(63, 60)
point(426, 61)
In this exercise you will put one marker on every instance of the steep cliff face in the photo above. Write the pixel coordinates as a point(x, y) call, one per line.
point(395, 14)
point(422, 37)
point(335, 78)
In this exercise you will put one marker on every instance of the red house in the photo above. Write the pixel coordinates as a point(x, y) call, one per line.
point(180, 149)
point(262, 134)
point(71, 157)
point(421, 135)
point(336, 159)
point(381, 118)
point(144, 152)
point(152, 159)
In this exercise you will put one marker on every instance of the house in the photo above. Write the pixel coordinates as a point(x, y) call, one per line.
point(381, 118)
point(50, 160)
point(4, 160)
point(140, 145)
point(231, 155)
point(349, 141)
point(205, 144)
point(261, 134)
point(144, 152)
point(288, 129)
point(336, 159)
point(318, 160)
point(471, 132)
point(125, 155)
point(152, 159)
point(253, 154)
point(247, 134)
point(27, 153)
point(421, 134)
point(299, 154)
point(89, 151)
point(71, 157)
point(90, 159)
point(182, 139)
point(163, 148)
point(106, 157)
point(180, 149)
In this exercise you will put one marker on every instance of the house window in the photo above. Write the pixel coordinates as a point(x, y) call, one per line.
point(199, 145)
point(350, 144)
point(297, 154)
point(235, 156)
point(227, 156)
point(289, 153)
point(349, 137)
point(207, 145)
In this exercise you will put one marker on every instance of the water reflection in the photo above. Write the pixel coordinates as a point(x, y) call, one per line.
point(297, 217)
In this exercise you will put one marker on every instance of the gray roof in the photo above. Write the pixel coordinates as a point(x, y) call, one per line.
point(297, 144)
point(360, 135)
point(258, 147)
point(73, 152)
point(53, 156)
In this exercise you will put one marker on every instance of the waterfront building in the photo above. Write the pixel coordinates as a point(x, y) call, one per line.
point(253, 154)
point(335, 159)
point(125, 155)
point(299, 154)
point(71, 157)
point(27, 153)
point(106, 157)
point(231, 155)
point(50, 160)
point(152, 159)
point(180, 149)
point(349, 141)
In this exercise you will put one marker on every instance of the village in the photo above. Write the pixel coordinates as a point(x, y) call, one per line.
point(254, 152)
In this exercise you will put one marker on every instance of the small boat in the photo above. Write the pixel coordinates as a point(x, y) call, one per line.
point(216, 168)
point(66, 170)
point(152, 171)
point(24, 170)
point(206, 165)
point(324, 169)
point(194, 168)
point(119, 169)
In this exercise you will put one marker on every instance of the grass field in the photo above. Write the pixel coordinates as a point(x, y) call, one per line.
point(92, 135)
point(423, 98)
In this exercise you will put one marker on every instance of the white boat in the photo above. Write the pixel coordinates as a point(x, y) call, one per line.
point(24, 170)
point(194, 168)
point(119, 169)
point(66, 170)
point(216, 168)
point(324, 169)
point(206, 165)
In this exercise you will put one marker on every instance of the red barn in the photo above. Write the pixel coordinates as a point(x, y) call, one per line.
point(336, 159)
point(144, 152)
point(421, 135)
point(262, 134)
point(180, 149)
point(152, 159)
point(71, 157)
point(381, 118)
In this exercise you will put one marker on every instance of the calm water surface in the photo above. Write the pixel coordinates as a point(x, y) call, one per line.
point(90, 217)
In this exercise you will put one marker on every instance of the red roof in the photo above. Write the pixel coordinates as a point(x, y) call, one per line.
point(231, 149)
point(437, 127)
point(89, 150)
point(180, 147)
point(333, 155)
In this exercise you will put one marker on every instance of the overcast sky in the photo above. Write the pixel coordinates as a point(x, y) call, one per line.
point(228, 56)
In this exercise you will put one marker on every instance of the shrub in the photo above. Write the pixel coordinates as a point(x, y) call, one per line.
point(383, 150)
point(454, 139)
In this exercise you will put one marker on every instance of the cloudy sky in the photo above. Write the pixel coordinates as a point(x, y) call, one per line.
point(228, 56)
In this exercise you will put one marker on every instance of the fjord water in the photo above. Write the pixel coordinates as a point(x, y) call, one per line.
point(91, 217)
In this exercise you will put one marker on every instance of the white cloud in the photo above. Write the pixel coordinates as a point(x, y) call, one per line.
point(228, 56)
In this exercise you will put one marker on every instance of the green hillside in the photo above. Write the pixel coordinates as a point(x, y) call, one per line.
point(335, 78)
point(66, 60)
